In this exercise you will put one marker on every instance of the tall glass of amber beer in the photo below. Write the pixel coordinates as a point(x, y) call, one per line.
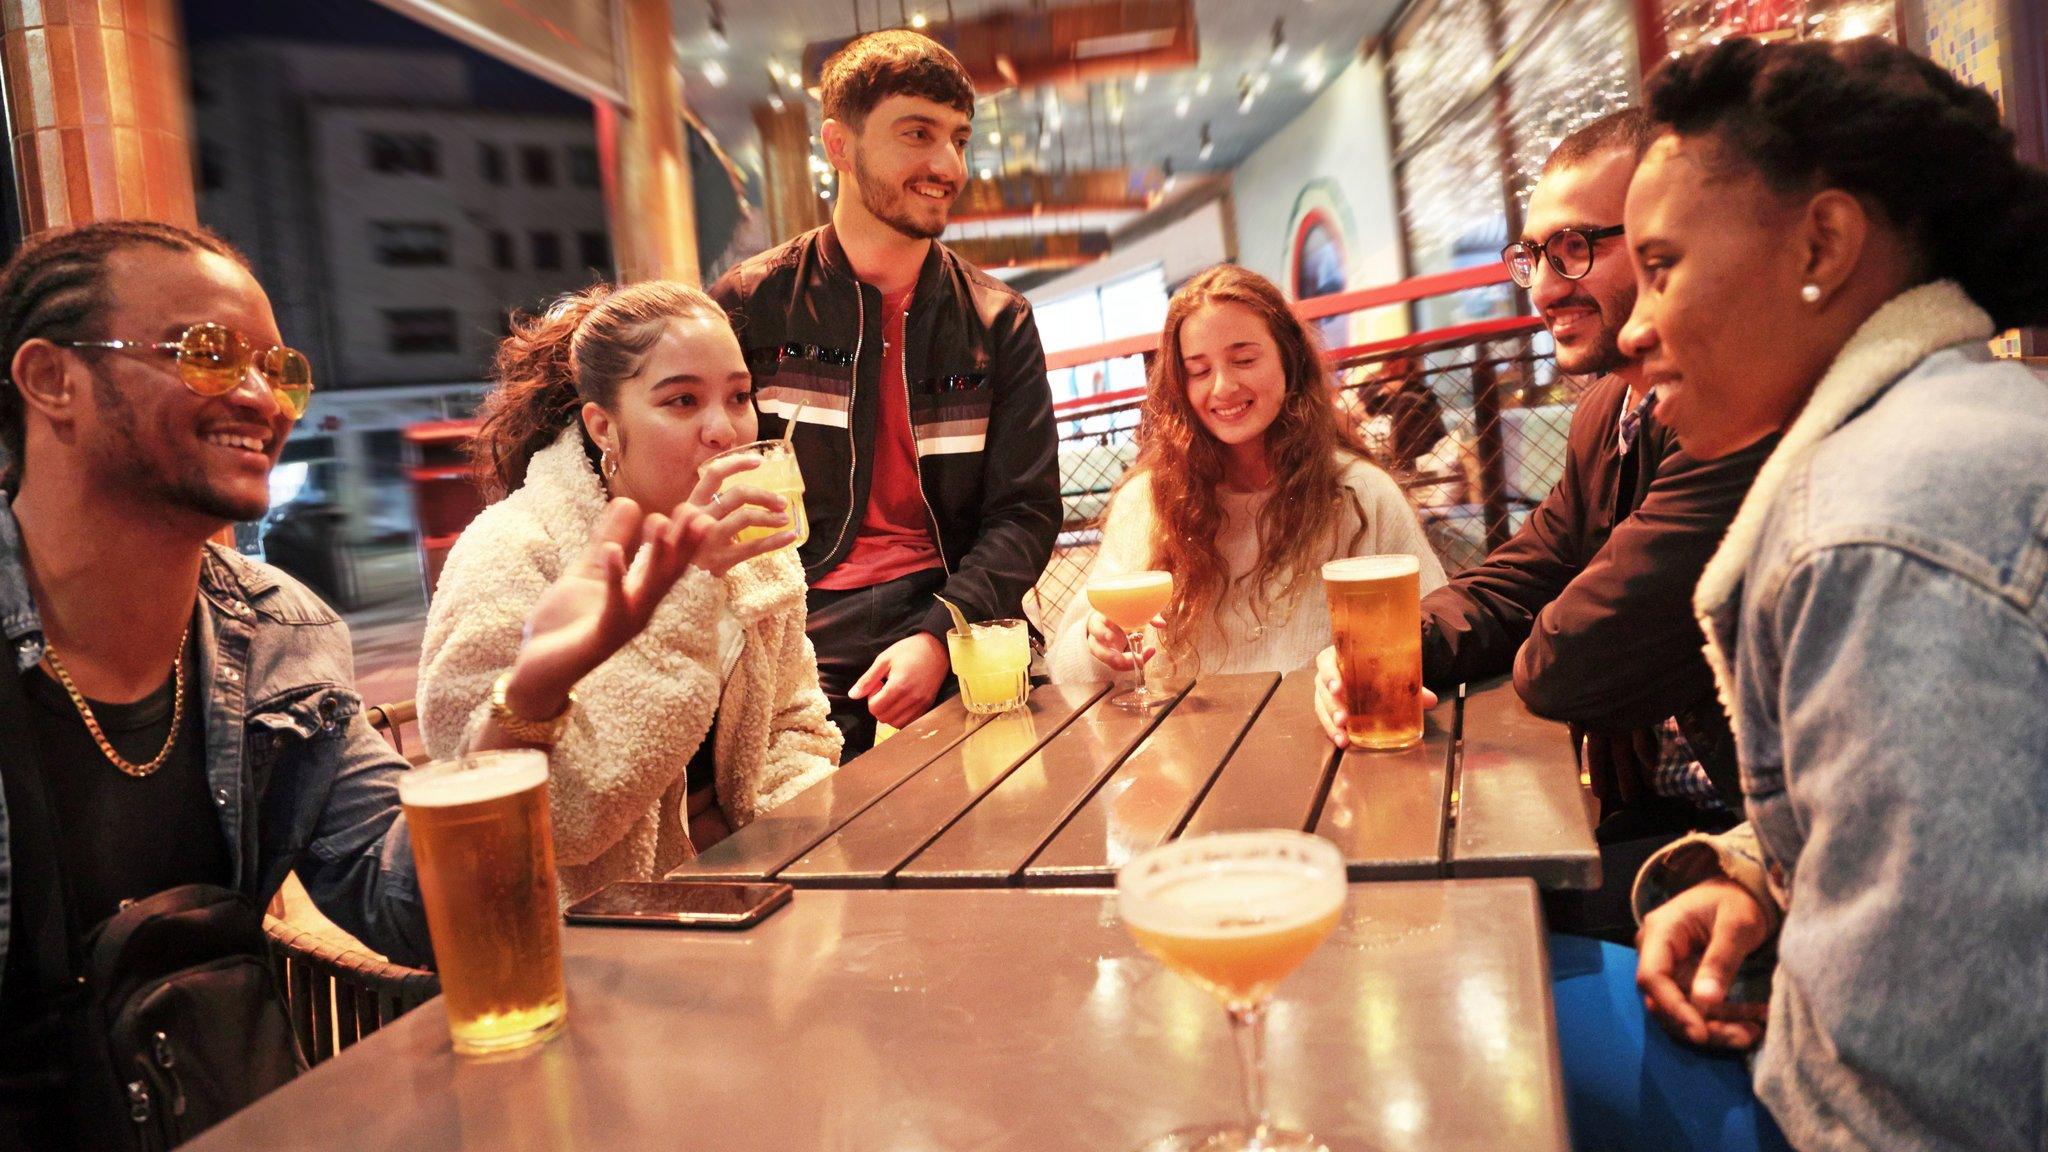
point(486, 862)
point(1376, 621)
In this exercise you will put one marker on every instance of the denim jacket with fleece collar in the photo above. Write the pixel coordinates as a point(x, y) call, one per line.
point(300, 780)
point(1877, 619)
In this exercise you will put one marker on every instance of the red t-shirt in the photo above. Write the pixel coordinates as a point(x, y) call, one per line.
point(895, 532)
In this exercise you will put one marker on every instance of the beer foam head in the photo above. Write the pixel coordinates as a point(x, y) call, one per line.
point(483, 776)
point(1372, 567)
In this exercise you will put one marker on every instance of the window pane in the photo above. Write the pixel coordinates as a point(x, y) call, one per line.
point(1071, 322)
point(402, 244)
point(547, 251)
point(420, 330)
point(538, 165)
point(1134, 305)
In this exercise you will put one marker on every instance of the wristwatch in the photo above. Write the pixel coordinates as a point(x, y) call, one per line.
point(539, 733)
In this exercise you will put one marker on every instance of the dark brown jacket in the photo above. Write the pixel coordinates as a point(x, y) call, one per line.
point(1590, 603)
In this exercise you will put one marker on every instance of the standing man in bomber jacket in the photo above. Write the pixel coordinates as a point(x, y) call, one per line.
point(917, 382)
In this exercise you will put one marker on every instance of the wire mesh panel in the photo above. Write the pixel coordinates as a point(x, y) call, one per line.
point(1472, 425)
point(1097, 443)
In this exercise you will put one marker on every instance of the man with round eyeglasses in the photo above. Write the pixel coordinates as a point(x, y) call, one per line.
point(1588, 604)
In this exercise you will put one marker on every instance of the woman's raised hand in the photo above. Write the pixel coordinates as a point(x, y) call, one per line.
point(602, 600)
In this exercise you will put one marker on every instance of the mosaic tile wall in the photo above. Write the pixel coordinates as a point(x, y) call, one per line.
point(1967, 38)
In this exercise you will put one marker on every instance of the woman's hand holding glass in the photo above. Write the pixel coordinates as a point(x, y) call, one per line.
point(1108, 645)
point(733, 511)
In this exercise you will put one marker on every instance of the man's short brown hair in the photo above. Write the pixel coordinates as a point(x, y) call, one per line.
point(1629, 130)
point(893, 62)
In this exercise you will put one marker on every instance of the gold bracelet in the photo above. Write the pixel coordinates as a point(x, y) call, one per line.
point(538, 733)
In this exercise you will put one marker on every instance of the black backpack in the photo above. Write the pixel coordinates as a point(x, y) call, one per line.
point(171, 1017)
point(182, 1023)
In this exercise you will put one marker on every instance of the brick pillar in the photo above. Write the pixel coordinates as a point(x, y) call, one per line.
point(98, 111)
point(647, 159)
point(791, 197)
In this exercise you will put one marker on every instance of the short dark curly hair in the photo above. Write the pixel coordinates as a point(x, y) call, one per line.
point(55, 287)
point(1873, 119)
point(894, 62)
point(1627, 130)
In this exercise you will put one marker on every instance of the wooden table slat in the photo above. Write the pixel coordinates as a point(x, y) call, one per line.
point(1386, 809)
point(992, 842)
point(1523, 810)
point(780, 836)
point(868, 849)
point(1279, 771)
point(1148, 799)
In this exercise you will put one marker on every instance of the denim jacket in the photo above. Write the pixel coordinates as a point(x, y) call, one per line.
point(300, 779)
point(1878, 622)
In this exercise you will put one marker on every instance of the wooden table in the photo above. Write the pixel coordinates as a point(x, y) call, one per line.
point(1063, 792)
point(1004, 1021)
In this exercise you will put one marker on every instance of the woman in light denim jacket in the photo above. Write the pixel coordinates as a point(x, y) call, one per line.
point(1826, 237)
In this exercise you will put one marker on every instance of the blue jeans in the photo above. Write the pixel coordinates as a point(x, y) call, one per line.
point(1627, 1084)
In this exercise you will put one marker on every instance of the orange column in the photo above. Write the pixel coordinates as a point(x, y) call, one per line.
point(647, 177)
point(97, 107)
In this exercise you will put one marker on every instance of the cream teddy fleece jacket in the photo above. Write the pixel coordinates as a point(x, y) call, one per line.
point(616, 777)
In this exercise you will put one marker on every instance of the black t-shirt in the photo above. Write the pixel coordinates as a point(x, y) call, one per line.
point(116, 838)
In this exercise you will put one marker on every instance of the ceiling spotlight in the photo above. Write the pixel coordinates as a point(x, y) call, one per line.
point(995, 138)
point(987, 174)
point(917, 20)
point(1260, 82)
point(1181, 106)
point(1202, 84)
point(1139, 81)
point(1245, 95)
point(717, 22)
point(714, 72)
point(775, 101)
point(1208, 145)
point(1279, 39)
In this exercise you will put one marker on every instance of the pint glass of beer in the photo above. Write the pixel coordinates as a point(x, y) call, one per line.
point(486, 863)
point(1376, 620)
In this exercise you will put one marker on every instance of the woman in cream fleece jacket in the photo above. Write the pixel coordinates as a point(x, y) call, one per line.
point(724, 657)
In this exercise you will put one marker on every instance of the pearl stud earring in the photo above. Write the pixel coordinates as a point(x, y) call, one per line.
point(1810, 293)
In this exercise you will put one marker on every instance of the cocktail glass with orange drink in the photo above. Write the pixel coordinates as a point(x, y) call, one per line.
point(1130, 600)
point(1235, 913)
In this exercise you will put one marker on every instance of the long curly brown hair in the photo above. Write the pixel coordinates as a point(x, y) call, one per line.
point(1306, 446)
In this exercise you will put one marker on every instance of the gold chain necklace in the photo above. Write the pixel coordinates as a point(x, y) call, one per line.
point(92, 723)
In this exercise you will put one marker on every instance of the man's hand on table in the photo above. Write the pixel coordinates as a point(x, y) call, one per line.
point(1330, 693)
point(1688, 951)
point(902, 682)
point(1619, 765)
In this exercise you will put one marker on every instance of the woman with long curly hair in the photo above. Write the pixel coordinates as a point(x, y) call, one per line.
point(1244, 487)
point(712, 714)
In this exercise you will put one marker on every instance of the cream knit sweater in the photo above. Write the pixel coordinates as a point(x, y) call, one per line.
point(1240, 638)
point(616, 778)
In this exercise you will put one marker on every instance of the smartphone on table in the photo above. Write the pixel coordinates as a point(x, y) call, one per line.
point(680, 904)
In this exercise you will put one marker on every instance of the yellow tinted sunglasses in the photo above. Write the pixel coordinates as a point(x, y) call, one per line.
point(213, 360)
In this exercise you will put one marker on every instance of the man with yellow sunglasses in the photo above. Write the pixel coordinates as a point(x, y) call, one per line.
point(177, 718)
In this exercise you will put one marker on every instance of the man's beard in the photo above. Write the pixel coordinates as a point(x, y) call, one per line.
point(891, 205)
point(188, 487)
point(1606, 355)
